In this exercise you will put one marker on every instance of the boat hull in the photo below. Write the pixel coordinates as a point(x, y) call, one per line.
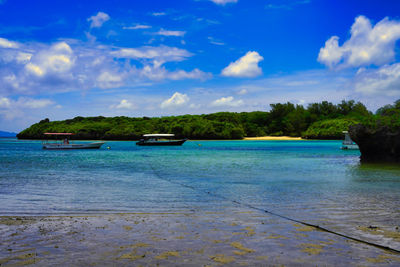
point(161, 143)
point(95, 145)
point(350, 147)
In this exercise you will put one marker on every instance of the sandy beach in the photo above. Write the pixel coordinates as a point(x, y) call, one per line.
point(231, 238)
point(273, 138)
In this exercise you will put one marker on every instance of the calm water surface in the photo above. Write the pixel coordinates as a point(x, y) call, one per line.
point(307, 180)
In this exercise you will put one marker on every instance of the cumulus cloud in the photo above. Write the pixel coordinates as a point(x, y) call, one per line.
point(384, 81)
point(57, 59)
point(98, 20)
point(124, 104)
point(109, 80)
point(176, 100)
point(73, 65)
point(171, 33)
point(246, 66)
point(136, 27)
point(227, 102)
point(4, 43)
point(223, 2)
point(368, 45)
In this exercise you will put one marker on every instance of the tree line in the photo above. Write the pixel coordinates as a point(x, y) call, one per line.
point(323, 120)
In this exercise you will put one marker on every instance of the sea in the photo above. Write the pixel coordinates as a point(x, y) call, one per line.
point(311, 181)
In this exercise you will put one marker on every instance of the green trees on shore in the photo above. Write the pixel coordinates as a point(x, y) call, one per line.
point(322, 120)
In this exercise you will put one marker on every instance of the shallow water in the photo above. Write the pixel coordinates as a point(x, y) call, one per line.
point(313, 181)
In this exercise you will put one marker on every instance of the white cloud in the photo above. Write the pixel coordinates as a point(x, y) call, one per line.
point(160, 53)
point(368, 45)
point(109, 80)
point(158, 14)
point(227, 102)
point(33, 103)
point(223, 2)
point(242, 92)
point(5, 102)
point(4, 43)
point(11, 80)
point(58, 59)
point(161, 73)
point(176, 100)
point(246, 66)
point(382, 81)
point(24, 102)
point(171, 33)
point(23, 57)
point(215, 42)
point(136, 27)
point(194, 106)
point(98, 20)
point(124, 104)
point(76, 66)
point(21, 108)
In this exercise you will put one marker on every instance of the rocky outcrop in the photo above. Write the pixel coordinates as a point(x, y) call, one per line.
point(377, 145)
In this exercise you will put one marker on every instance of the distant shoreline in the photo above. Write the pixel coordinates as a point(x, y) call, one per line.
point(259, 138)
point(273, 138)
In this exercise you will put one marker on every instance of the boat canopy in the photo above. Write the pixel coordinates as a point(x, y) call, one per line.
point(59, 133)
point(158, 135)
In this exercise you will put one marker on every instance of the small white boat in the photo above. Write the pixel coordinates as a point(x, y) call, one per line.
point(347, 143)
point(65, 143)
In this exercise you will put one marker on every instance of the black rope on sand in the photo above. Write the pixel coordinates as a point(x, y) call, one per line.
point(321, 228)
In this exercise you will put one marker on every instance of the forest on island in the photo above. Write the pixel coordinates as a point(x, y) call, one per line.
point(323, 120)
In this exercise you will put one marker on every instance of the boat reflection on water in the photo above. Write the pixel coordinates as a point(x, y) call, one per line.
point(160, 140)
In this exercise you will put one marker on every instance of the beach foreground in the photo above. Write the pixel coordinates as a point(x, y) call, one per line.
point(235, 238)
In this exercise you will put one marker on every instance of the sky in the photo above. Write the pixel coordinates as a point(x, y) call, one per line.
point(62, 59)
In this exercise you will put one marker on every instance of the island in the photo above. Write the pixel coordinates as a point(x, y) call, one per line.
point(322, 120)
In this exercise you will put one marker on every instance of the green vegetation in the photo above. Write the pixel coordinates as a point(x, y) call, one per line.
point(317, 121)
point(329, 129)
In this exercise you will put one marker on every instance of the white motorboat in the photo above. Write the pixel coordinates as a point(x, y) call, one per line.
point(66, 144)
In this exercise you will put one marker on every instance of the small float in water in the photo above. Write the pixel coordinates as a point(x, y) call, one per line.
point(66, 144)
point(347, 143)
point(160, 140)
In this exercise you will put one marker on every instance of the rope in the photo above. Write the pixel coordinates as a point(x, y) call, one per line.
point(321, 228)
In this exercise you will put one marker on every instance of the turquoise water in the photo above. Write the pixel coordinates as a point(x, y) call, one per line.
point(308, 180)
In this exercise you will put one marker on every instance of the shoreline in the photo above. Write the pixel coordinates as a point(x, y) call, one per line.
point(259, 138)
point(273, 138)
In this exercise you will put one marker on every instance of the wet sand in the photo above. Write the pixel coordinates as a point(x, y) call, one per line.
point(274, 138)
point(231, 238)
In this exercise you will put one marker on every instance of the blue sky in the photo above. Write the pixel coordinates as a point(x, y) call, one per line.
point(61, 59)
